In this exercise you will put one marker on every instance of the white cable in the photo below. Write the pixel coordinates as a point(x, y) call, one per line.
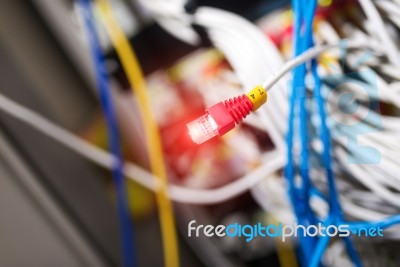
point(238, 40)
point(388, 145)
point(378, 27)
point(270, 194)
point(252, 56)
point(138, 174)
point(134, 172)
point(171, 16)
point(306, 56)
point(143, 177)
point(371, 184)
point(389, 7)
point(271, 81)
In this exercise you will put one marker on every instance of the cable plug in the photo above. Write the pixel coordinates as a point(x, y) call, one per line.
point(224, 116)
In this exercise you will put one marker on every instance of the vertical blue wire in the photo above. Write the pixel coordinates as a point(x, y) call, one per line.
point(335, 209)
point(299, 77)
point(336, 214)
point(302, 46)
point(126, 226)
point(299, 196)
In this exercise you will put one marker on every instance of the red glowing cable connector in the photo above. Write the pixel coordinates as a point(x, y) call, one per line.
point(224, 116)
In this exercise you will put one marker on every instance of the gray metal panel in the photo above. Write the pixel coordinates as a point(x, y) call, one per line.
point(34, 231)
point(33, 73)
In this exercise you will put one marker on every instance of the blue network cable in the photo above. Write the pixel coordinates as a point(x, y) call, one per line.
point(300, 195)
point(126, 228)
point(312, 250)
point(335, 208)
point(304, 15)
point(336, 214)
point(384, 223)
point(322, 244)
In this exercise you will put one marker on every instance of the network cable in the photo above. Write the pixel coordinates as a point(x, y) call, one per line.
point(224, 116)
point(126, 226)
point(135, 77)
point(379, 189)
point(300, 195)
point(176, 192)
point(135, 172)
point(379, 28)
point(335, 214)
point(148, 180)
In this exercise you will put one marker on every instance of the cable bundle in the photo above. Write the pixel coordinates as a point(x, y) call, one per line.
point(312, 250)
point(349, 191)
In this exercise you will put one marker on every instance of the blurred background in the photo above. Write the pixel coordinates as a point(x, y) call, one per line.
point(58, 209)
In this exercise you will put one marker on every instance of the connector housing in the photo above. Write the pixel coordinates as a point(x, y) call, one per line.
point(202, 129)
point(223, 117)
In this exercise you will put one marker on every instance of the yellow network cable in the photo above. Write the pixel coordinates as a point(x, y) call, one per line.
point(137, 82)
point(286, 254)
